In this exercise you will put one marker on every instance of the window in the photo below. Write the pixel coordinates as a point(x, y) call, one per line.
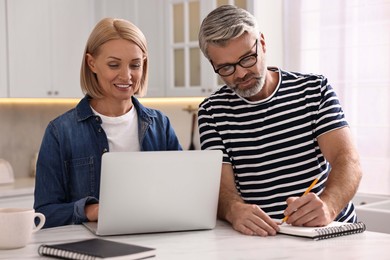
point(349, 42)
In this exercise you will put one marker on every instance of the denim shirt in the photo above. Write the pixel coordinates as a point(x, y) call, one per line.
point(69, 160)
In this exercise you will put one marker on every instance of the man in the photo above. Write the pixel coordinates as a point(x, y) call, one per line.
point(278, 131)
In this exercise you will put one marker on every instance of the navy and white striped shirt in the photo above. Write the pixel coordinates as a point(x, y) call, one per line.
point(272, 143)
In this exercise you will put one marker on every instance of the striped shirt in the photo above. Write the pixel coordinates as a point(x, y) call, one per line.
point(272, 144)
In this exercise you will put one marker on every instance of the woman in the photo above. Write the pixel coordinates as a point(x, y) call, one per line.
point(108, 118)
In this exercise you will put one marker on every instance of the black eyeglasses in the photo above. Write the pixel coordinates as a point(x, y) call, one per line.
point(245, 62)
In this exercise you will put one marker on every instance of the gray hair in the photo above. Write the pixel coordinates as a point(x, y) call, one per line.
point(223, 24)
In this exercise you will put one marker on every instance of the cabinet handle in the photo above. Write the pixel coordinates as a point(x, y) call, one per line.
point(56, 92)
point(49, 93)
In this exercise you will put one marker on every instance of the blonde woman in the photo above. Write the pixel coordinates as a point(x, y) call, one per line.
point(109, 118)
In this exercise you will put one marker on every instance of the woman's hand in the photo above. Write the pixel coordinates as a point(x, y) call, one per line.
point(91, 212)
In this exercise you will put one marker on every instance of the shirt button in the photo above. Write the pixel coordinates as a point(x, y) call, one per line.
point(99, 130)
point(105, 150)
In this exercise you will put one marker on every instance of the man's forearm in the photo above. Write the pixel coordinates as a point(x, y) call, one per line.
point(228, 194)
point(342, 183)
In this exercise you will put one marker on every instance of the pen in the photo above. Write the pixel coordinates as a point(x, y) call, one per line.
point(306, 192)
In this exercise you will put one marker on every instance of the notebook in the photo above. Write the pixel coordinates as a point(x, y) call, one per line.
point(96, 249)
point(162, 191)
point(334, 229)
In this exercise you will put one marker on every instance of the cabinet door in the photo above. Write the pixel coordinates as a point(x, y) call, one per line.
point(183, 55)
point(3, 52)
point(71, 24)
point(46, 42)
point(152, 23)
point(29, 48)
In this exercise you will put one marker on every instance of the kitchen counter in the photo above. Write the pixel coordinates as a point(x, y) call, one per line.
point(222, 243)
point(20, 187)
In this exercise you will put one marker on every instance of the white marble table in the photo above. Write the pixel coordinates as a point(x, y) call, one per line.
point(223, 243)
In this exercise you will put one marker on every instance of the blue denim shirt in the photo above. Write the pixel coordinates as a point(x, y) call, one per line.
point(69, 161)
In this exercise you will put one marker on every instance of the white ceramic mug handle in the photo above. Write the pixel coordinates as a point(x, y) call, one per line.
point(42, 220)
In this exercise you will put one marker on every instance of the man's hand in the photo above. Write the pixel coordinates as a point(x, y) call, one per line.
point(308, 210)
point(249, 219)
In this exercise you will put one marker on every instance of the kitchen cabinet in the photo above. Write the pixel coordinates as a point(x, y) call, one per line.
point(42, 41)
point(3, 51)
point(46, 40)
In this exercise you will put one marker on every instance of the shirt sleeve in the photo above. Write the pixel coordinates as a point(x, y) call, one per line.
point(330, 115)
point(51, 195)
point(210, 139)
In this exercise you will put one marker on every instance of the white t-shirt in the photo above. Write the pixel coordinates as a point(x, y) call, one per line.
point(121, 131)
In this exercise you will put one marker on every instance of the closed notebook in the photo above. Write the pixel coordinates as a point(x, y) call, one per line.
point(96, 249)
point(334, 229)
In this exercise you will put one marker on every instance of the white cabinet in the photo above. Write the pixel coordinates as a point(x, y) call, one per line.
point(3, 51)
point(46, 40)
point(152, 22)
point(42, 41)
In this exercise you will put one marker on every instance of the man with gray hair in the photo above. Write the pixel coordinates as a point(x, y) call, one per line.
point(278, 131)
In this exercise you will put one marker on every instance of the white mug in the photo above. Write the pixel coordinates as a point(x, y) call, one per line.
point(17, 225)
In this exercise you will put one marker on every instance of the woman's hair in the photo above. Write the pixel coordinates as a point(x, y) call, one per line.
point(223, 24)
point(106, 30)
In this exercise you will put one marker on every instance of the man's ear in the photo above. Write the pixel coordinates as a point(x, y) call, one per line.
point(262, 42)
point(91, 62)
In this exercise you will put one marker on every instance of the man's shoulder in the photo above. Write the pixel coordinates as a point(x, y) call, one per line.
point(223, 94)
point(300, 76)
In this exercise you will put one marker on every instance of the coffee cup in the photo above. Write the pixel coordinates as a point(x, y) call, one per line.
point(17, 225)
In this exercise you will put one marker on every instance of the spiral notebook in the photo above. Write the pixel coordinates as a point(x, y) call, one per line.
point(334, 229)
point(96, 249)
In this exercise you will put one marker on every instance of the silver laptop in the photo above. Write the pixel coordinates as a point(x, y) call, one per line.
point(145, 192)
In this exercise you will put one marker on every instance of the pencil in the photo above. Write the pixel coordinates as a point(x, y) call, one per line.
point(306, 192)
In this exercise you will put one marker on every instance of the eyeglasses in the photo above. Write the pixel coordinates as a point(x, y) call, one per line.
point(245, 62)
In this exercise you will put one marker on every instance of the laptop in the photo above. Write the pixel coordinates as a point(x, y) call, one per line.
point(162, 191)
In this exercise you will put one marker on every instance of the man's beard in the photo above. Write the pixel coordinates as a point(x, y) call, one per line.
point(246, 93)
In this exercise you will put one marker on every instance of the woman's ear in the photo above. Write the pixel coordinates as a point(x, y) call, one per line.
point(91, 62)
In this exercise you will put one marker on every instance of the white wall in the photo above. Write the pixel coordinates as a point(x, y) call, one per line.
point(269, 15)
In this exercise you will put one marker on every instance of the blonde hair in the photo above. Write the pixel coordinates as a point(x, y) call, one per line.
point(105, 30)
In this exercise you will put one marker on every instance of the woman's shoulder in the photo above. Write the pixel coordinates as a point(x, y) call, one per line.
point(147, 111)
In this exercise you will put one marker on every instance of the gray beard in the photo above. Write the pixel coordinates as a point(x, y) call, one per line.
point(253, 90)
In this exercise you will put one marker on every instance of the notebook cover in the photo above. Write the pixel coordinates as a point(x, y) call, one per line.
point(98, 248)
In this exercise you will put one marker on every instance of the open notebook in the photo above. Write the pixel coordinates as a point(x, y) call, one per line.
point(334, 229)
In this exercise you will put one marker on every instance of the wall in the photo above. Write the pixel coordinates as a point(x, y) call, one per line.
point(269, 15)
point(23, 124)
